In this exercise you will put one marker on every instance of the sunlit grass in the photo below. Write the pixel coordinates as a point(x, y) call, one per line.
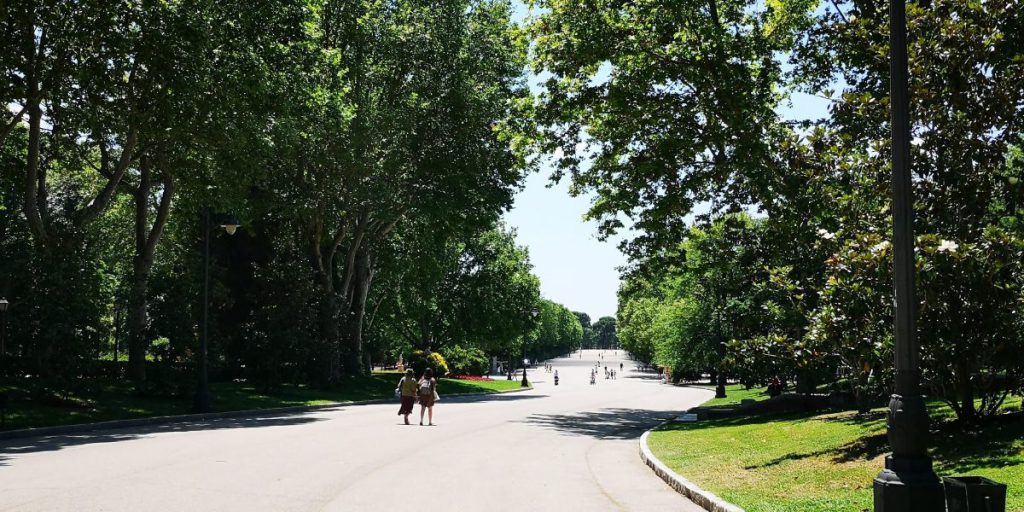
point(826, 462)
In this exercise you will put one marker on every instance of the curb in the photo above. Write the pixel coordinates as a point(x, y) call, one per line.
point(81, 428)
point(702, 498)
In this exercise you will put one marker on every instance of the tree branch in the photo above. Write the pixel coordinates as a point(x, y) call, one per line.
point(13, 122)
point(162, 214)
point(99, 204)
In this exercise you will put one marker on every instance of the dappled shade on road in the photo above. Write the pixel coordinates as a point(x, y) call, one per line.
point(602, 424)
point(12, 447)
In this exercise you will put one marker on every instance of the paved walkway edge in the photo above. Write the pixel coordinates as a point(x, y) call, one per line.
point(82, 428)
point(683, 486)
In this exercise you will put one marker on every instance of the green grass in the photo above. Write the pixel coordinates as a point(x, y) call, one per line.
point(103, 401)
point(826, 462)
point(736, 393)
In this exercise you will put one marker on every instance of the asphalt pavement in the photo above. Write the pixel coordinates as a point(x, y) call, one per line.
point(565, 448)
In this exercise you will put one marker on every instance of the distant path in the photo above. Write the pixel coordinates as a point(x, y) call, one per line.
point(570, 448)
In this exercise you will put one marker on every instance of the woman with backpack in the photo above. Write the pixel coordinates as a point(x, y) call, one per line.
point(407, 392)
point(427, 395)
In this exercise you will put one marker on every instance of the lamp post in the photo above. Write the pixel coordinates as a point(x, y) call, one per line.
point(3, 325)
point(526, 335)
point(908, 482)
point(229, 224)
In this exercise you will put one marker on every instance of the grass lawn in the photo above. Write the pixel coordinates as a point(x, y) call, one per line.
point(736, 393)
point(826, 462)
point(103, 401)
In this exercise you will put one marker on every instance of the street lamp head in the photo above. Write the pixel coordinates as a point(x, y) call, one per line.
point(230, 224)
point(4, 305)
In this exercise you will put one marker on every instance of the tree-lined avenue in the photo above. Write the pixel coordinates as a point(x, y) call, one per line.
point(566, 447)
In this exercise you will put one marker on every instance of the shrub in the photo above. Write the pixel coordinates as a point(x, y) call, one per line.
point(466, 361)
point(421, 360)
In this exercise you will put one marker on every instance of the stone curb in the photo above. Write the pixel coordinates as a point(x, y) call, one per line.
point(702, 498)
point(81, 428)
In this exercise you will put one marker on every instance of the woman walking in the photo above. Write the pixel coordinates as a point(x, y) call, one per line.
point(428, 393)
point(407, 391)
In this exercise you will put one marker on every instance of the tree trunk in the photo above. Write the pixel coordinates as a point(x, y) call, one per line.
point(146, 239)
point(330, 331)
point(137, 320)
point(361, 279)
point(968, 413)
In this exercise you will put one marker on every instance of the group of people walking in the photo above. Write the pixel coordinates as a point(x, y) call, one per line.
point(411, 390)
point(608, 373)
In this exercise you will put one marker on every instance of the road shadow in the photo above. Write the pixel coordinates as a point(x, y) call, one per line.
point(642, 376)
point(615, 423)
point(10, 448)
point(494, 397)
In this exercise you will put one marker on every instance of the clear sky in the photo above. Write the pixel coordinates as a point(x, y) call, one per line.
point(575, 269)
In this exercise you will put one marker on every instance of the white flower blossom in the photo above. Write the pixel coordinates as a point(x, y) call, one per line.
point(881, 246)
point(824, 233)
point(948, 246)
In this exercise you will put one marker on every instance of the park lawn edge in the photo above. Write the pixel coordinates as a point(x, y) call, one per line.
point(750, 478)
point(161, 419)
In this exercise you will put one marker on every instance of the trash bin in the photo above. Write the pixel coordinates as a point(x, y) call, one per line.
point(974, 494)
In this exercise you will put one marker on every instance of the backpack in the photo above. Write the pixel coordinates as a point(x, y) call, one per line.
point(426, 388)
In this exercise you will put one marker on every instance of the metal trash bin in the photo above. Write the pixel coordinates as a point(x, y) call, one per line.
point(974, 494)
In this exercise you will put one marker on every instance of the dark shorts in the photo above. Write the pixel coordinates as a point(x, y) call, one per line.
point(407, 404)
point(427, 400)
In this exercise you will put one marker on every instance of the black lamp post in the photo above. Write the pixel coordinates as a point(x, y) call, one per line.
point(230, 224)
point(3, 325)
point(526, 335)
point(908, 482)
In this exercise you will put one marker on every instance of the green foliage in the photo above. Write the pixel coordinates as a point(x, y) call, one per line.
point(466, 361)
point(558, 332)
point(366, 147)
point(604, 333)
point(660, 107)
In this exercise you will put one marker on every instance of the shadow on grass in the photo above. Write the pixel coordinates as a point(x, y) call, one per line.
point(12, 447)
point(602, 424)
point(998, 445)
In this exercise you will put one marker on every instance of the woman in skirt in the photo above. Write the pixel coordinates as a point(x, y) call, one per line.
point(428, 392)
point(407, 387)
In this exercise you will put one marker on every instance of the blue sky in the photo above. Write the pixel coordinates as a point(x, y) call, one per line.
point(575, 269)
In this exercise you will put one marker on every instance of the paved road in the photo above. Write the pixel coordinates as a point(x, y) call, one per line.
point(566, 448)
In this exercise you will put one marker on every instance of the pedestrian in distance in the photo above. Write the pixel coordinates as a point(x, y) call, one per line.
point(406, 392)
point(427, 395)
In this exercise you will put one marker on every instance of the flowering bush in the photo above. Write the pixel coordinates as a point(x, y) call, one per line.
point(420, 360)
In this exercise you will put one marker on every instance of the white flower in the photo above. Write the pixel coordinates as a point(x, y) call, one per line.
point(825, 234)
point(948, 245)
point(881, 246)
